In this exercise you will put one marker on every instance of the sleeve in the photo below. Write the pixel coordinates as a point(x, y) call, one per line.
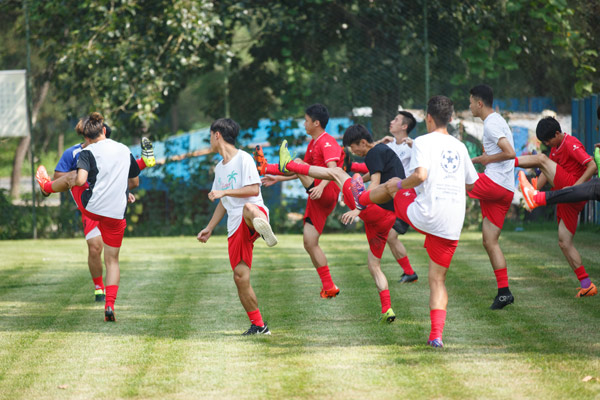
point(419, 157)
point(85, 160)
point(248, 171)
point(496, 131)
point(332, 151)
point(470, 173)
point(374, 161)
point(66, 162)
point(579, 153)
point(308, 155)
point(134, 169)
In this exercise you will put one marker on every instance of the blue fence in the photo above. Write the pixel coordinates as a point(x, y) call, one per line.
point(586, 128)
point(526, 104)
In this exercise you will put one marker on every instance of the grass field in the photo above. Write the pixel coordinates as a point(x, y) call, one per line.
point(179, 321)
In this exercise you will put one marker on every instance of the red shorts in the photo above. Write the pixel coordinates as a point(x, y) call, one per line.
point(493, 199)
point(317, 211)
point(241, 243)
point(112, 229)
point(567, 212)
point(90, 227)
point(439, 249)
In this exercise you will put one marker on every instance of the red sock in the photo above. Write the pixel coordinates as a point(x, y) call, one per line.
point(272, 169)
point(581, 274)
point(48, 187)
point(98, 284)
point(540, 198)
point(325, 277)
point(365, 198)
point(386, 302)
point(298, 168)
point(516, 161)
point(501, 277)
point(141, 163)
point(361, 168)
point(256, 318)
point(438, 319)
point(405, 264)
point(111, 296)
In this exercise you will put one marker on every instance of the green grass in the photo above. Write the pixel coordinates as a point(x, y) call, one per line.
point(179, 324)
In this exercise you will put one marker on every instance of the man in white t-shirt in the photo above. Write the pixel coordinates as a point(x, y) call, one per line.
point(237, 184)
point(432, 200)
point(496, 186)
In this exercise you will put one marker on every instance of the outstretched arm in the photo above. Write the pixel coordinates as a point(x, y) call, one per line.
point(246, 191)
point(218, 215)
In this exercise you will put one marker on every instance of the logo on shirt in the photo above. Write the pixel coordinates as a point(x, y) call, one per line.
point(327, 144)
point(450, 161)
point(231, 177)
point(575, 147)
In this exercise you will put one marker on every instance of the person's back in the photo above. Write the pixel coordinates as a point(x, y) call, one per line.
point(109, 165)
point(439, 208)
point(501, 172)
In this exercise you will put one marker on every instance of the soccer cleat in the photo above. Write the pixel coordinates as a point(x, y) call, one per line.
point(437, 342)
point(587, 292)
point(330, 293)
point(597, 155)
point(409, 278)
point(534, 183)
point(284, 157)
point(259, 159)
point(257, 330)
point(264, 230)
point(109, 314)
point(347, 160)
point(99, 293)
point(42, 177)
point(357, 187)
point(501, 301)
point(387, 317)
point(528, 191)
point(148, 152)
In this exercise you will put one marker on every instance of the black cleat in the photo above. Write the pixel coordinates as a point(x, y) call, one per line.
point(257, 330)
point(502, 300)
point(109, 315)
point(99, 294)
point(408, 278)
point(400, 226)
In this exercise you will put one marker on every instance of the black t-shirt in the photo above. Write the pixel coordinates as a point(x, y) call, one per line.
point(382, 159)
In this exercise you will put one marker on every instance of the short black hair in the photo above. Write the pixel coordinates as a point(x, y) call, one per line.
point(546, 129)
point(483, 93)
point(441, 109)
point(318, 112)
point(355, 133)
point(228, 128)
point(108, 130)
point(91, 126)
point(409, 119)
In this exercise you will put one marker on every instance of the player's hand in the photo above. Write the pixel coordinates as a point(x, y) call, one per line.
point(316, 192)
point(482, 159)
point(204, 235)
point(350, 216)
point(407, 140)
point(130, 198)
point(269, 180)
point(216, 194)
point(388, 139)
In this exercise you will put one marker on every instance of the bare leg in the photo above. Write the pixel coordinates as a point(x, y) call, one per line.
point(241, 277)
point(250, 212)
point(65, 182)
point(374, 265)
point(395, 245)
point(385, 192)
point(111, 259)
point(565, 242)
point(438, 295)
point(491, 234)
point(542, 162)
point(311, 245)
point(95, 246)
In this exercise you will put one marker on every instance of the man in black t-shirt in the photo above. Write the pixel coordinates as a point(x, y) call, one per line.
point(383, 165)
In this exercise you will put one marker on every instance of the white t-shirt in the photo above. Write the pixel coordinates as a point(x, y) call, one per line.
point(403, 151)
point(439, 208)
point(240, 171)
point(503, 172)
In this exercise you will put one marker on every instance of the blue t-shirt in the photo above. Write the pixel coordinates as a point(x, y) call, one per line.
point(68, 161)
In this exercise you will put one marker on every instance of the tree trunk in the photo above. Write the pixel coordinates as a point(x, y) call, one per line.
point(15, 177)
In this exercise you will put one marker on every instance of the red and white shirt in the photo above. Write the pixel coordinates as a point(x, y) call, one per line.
point(322, 150)
point(571, 155)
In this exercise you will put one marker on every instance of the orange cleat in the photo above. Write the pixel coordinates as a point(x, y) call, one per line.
point(42, 177)
point(587, 292)
point(528, 191)
point(534, 183)
point(259, 158)
point(330, 293)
